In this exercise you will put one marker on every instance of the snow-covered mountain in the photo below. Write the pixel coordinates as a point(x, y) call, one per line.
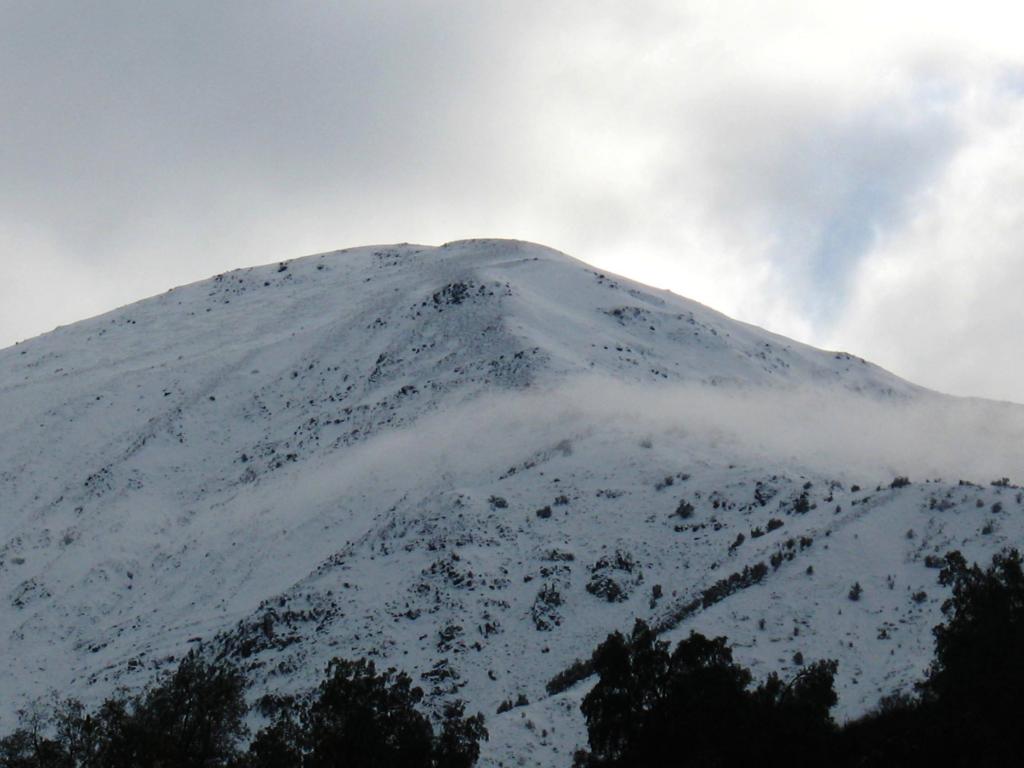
point(471, 462)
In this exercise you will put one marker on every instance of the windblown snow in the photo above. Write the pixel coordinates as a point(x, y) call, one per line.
point(467, 462)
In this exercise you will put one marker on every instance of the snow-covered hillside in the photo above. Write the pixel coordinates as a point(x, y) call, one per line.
point(467, 462)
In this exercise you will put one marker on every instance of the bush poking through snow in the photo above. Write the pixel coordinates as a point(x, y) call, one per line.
point(615, 577)
point(544, 612)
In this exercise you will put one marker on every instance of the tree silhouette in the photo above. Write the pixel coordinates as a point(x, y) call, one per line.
point(194, 718)
point(695, 707)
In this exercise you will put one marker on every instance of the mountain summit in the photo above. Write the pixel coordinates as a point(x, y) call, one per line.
point(471, 462)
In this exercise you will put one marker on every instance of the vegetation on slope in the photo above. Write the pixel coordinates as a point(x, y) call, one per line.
point(695, 706)
point(195, 718)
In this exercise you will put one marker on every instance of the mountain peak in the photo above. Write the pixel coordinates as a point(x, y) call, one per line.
point(464, 460)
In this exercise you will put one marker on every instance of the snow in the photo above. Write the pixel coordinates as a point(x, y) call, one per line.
point(298, 461)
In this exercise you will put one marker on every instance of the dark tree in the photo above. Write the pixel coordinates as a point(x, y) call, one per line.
point(694, 707)
point(797, 713)
point(360, 718)
point(279, 745)
point(968, 709)
point(191, 718)
point(458, 746)
point(630, 674)
point(976, 682)
point(194, 719)
point(26, 748)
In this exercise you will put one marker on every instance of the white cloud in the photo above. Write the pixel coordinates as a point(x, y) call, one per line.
point(748, 155)
point(822, 429)
point(940, 300)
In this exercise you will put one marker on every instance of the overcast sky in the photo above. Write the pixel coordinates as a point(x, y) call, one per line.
point(848, 174)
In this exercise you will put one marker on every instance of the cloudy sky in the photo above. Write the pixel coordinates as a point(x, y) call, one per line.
point(848, 174)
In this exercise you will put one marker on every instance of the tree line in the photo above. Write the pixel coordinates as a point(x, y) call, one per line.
point(195, 718)
point(695, 706)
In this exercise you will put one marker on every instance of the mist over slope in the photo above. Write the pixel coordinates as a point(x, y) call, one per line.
point(466, 461)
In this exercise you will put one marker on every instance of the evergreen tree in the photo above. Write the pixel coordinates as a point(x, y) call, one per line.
point(694, 707)
point(361, 718)
point(278, 745)
point(458, 746)
point(194, 719)
point(976, 682)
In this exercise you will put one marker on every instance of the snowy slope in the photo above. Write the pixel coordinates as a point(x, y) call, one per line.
point(428, 454)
